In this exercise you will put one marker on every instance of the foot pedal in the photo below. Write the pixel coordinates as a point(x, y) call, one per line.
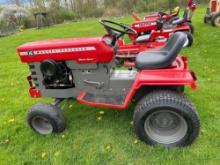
point(115, 100)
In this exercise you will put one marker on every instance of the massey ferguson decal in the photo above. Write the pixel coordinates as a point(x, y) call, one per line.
point(144, 24)
point(54, 51)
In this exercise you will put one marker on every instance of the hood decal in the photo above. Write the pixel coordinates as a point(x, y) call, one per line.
point(55, 51)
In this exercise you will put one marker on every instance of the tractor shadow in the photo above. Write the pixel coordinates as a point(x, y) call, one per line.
point(79, 116)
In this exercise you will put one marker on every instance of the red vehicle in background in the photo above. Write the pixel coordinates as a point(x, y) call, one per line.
point(173, 14)
point(162, 25)
point(154, 31)
point(213, 13)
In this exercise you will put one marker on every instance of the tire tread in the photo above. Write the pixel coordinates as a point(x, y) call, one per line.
point(167, 97)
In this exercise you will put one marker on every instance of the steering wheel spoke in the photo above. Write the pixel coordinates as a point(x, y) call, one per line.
point(117, 30)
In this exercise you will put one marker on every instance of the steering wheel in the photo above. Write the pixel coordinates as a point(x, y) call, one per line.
point(161, 13)
point(117, 30)
point(160, 22)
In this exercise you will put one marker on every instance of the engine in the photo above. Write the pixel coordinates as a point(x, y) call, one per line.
point(51, 74)
point(56, 75)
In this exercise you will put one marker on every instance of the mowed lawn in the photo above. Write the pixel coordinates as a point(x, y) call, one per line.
point(92, 137)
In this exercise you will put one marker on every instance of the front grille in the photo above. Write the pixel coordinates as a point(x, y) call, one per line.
point(34, 74)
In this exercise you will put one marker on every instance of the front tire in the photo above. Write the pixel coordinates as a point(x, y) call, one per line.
point(167, 118)
point(216, 20)
point(46, 119)
point(206, 20)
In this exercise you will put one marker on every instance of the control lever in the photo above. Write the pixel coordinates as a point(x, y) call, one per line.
point(98, 85)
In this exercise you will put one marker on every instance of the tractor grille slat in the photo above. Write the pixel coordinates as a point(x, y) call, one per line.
point(34, 74)
point(31, 66)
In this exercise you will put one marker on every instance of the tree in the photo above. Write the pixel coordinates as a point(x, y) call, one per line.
point(17, 2)
point(11, 18)
point(13, 14)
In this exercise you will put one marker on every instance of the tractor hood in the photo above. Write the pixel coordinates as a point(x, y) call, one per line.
point(81, 50)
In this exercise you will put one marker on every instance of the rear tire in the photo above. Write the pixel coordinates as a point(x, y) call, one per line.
point(46, 119)
point(189, 40)
point(167, 118)
point(180, 89)
point(216, 20)
point(192, 29)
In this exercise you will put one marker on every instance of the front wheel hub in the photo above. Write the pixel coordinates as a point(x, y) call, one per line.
point(217, 21)
point(42, 125)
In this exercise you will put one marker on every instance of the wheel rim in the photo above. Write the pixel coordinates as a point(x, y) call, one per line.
point(217, 21)
point(42, 125)
point(165, 127)
point(186, 42)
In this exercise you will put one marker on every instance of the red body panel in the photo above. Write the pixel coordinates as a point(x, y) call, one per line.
point(152, 17)
point(144, 25)
point(151, 26)
point(191, 5)
point(33, 91)
point(81, 50)
point(183, 27)
point(129, 50)
point(213, 5)
point(156, 16)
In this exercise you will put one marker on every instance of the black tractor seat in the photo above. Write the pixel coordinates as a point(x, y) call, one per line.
point(178, 21)
point(175, 18)
point(143, 38)
point(162, 58)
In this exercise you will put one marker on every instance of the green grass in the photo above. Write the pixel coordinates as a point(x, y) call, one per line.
point(111, 140)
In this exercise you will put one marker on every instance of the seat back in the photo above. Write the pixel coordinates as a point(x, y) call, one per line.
point(174, 45)
point(143, 38)
point(186, 14)
point(164, 57)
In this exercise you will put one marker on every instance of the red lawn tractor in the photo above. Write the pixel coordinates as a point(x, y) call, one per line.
point(156, 15)
point(190, 8)
point(149, 31)
point(84, 69)
point(213, 13)
point(167, 15)
point(146, 42)
point(127, 52)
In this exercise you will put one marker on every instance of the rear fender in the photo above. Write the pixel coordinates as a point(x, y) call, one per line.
point(166, 78)
point(183, 27)
point(175, 77)
point(150, 80)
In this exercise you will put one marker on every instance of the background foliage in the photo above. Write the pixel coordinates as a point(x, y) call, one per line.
point(65, 10)
point(95, 138)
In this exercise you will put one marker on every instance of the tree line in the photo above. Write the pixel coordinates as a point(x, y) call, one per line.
point(59, 11)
